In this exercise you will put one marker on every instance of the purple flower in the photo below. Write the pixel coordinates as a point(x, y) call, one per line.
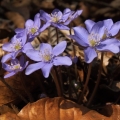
point(59, 19)
point(111, 29)
point(15, 66)
point(15, 46)
point(47, 57)
point(32, 28)
point(93, 40)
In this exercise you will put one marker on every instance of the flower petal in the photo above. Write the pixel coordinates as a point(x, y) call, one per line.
point(60, 26)
point(115, 28)
point(10, 74)
point(44, 47)
point(24, 37)
point(66, 14)
point(99, 29)
point(82, 33)
point(33, 67)
point(14, 61)
point(96, 27)
point(62, 61)
point(59, 48)
point(111, 47)
point(13, 39)
point(45, 16)
point(89, 24)
point(26, 47)
point(14, 54)
point(6, 67)
point(46, 25)
point(33, 54)
point(6, 57)
point(78, 40)
point(37, 21)
point(110, 41)
point(73, 16)
point(25, 65)
point(29, 23)
point(19, 30)
point(7, 47)
point(108, 23)
point(58, 12)
point(46, 69)
point(89, 54)
point(22, 61)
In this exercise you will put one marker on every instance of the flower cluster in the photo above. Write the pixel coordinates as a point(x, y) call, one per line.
point(46, 56)
point(97, 36)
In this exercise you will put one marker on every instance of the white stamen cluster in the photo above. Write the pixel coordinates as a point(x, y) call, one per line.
point(55, 17)
point(106, 34)
point(32, 30)
point(45, 55)
point(15, 66)
point(17, 45)
point(94, 39)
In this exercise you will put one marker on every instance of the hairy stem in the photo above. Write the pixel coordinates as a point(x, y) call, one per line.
point(55, 77)
point(97, 82)
point(57, 35)
point(74, 52)
point(86, 83)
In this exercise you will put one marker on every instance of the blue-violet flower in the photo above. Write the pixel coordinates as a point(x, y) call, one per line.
point(47, 57)
point(93, 40)
point(33, 28)
point(59, 19)
point(111, 29)
point(15, 66)
point(15, 46)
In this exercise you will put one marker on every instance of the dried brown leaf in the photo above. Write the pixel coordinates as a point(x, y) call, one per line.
point(16, 18)
point(4, 109)
point(59, 108)
point(16, 82)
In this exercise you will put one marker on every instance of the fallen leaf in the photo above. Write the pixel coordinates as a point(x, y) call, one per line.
point(16, 18)
point(59, 109)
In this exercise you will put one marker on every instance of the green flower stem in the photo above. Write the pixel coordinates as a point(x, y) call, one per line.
point(97, 82)
point(55, 77)
point(14, 91)
point(86, 83)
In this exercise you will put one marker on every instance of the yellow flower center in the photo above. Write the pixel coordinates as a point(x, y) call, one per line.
point(17, 47)
point(55, 17)
point(16, 67)
point(33, 30)
point(92, 42)
point(47, 58)
point(94, 39)
point(45, 55)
